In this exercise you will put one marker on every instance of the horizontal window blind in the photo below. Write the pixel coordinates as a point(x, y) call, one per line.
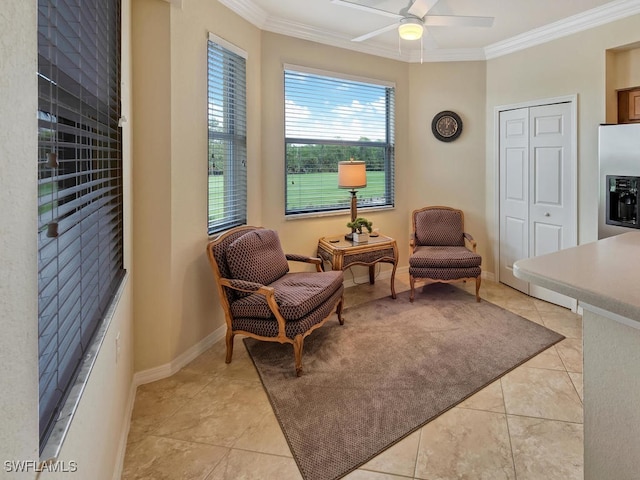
point(80, 216)
point(227, 125)
point(328, 120)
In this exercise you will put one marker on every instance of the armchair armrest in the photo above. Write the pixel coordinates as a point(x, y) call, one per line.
point(305, 259)
point(264, 290)
point(412, 240)
point(470, 239)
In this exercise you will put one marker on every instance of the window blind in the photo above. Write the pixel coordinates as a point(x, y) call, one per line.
point(80, 216)
point(331, 119)
point(227, 126)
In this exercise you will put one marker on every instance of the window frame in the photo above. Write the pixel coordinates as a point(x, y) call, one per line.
point(235, 138)
point(81, 200)
point(388, 145)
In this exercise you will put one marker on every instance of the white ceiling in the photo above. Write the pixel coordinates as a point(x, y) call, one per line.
point(518, 24)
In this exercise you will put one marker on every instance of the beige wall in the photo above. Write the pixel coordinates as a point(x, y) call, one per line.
point(151, 93)
point(451, 174)
point(567, 66)
point(175, 300)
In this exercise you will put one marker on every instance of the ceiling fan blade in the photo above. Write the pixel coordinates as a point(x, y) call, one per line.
point(364, 8)
point(419, 8)
point(428, 41)
point(457, 21)
point(369, 35)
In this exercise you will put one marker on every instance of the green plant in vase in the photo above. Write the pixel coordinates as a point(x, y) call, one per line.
point(358, 226)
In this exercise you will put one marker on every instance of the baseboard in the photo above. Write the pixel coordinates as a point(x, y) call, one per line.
point(158, 373)
point(488, 276)
point(124, 432)
point(168, 369)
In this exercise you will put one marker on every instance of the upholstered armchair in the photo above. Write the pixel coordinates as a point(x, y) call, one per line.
point(262, 299)
point(438, 249)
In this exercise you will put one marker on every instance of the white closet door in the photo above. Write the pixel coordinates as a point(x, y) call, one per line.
point(537, 190)
point(514, 194)
point(552, 202)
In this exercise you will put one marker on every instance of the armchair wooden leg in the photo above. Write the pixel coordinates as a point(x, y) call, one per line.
point(297, 353)
point(229, 339)
point(412, 282)
point(339, 311)
point(478, 280)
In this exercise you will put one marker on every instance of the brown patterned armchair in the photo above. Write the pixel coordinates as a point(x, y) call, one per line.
point(259, 296)
point(438, 249)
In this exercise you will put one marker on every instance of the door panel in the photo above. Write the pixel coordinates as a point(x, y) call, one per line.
point(514, 194)
point(547, 125)
point(548, 238)
point(516, 245)
point(552, 207)
point(548, 177)
point(515, 172)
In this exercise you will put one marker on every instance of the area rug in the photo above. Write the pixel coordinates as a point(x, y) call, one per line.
point(391, 368)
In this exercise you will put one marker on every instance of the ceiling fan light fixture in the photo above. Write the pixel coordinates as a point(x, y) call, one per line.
point(410, 28)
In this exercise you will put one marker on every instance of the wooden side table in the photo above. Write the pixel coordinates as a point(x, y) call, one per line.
point(342, 254)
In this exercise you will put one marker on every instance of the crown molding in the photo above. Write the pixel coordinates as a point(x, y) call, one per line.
point(306, 32)
point(595, 17)
point(577, 23)
point(247, 10)
point(447, 55)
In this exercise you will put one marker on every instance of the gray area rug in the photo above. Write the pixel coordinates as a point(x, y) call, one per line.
point(391, 368)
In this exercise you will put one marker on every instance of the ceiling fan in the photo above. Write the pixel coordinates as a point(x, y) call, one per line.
point(411, 20)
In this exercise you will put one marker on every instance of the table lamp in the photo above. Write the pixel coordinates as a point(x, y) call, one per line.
point(352, 175)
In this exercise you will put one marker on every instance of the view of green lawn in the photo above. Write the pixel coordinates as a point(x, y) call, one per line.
point(308, 191)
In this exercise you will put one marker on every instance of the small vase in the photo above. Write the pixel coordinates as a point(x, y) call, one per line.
point(360, 237)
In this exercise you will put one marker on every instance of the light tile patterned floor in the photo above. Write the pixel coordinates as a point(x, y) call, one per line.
point(213, 421)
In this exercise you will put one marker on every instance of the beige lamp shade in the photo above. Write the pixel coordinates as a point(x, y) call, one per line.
point(352, 174)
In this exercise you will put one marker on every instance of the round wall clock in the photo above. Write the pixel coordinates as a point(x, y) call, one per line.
point(446, 126)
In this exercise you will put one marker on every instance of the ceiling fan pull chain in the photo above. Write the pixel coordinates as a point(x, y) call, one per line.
point(421, 47)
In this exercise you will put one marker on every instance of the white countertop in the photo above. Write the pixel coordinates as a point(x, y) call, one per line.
point(605, 273)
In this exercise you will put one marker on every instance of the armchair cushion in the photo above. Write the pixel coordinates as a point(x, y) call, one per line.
point(439, 227)
point(297, 295)
point(269, 328)
point(444, 257)
point(257, 257)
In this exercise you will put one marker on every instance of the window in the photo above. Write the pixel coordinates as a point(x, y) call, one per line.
point(328, 120)
point(80, 216)
point(227, 119)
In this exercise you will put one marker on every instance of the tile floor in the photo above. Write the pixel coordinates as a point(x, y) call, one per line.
point(213, 421)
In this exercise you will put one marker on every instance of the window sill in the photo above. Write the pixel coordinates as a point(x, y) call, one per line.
point(58, 434)
point(335, 213)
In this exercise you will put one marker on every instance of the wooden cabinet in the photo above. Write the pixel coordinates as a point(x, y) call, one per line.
point(629, 105)
point(634, 105)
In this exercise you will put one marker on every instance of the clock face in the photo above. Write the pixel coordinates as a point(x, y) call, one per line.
point(446, 126)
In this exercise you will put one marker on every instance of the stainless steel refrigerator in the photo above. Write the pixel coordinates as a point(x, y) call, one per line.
point(619, 179)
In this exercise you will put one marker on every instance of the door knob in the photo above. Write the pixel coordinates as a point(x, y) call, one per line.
point(547, 214)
